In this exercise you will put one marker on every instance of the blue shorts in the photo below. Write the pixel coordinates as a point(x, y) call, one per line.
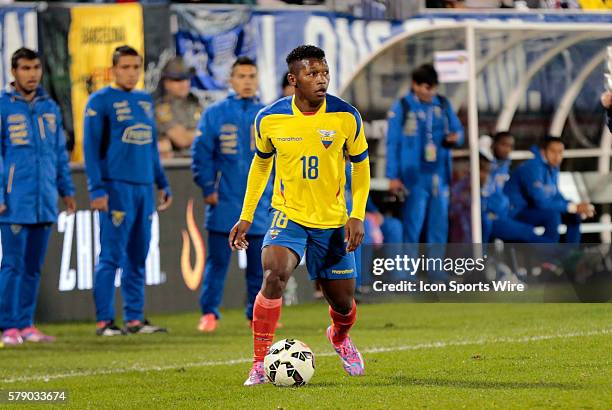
point(326, 256)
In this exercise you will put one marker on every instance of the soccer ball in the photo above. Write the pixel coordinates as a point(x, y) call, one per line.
point(289, 363)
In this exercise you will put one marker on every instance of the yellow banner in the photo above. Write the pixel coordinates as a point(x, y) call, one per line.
point(95, 31)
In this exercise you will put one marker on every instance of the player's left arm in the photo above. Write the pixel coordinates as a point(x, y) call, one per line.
point(164, 192)
point(357, 147)
point(454, 126)
point(65, 186)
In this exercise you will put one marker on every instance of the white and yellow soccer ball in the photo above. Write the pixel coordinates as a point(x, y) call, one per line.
point(289, 363)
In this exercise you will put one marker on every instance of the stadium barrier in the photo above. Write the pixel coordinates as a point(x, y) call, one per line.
point(67, 277)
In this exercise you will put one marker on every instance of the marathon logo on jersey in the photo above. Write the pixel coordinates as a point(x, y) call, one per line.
point(327, 137)
point(139, 134)
point(287, 139)
point(117, 217)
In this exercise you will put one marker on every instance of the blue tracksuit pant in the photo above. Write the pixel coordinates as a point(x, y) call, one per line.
point(551, 220)
point(426, 209)
point(217, 262)
point(23, 253)
point(125, 233)
point(510, 230)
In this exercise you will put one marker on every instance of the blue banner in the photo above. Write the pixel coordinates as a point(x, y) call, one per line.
point(211, 40)
point(18, 28)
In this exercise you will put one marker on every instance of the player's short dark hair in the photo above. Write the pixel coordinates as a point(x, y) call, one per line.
point(425, 74)
point(304, 52)
point(123, 51)
point(501, 135)
point(23, 54)
point(549, 139)
point(244, 60)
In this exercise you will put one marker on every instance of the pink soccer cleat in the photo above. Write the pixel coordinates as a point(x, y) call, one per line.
point(11, 337)
point(350, 356)
point(257, 375)
point(32, 334)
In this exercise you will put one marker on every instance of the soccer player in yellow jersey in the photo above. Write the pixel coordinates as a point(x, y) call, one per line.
point(307, 134)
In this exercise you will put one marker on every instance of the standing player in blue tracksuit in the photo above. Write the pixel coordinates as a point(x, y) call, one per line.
point(422, 129)
point(222, 154)
point(33, 170)
point(535, 198)
point(122, 162)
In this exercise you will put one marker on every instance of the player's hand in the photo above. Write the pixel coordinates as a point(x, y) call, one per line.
point(212, 199)
point(396, 186)
point(70, 204)
point(237, 236)
point(606, 99)
point(585, 209)
point(353, 234)
point(2, 208)
point(99, 204)
point(452, 138)
point(164, 200)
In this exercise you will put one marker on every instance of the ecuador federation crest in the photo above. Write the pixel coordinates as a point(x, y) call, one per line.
point(117, 217)
point(327, 137)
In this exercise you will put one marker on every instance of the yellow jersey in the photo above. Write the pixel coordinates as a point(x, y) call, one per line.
point(309, 152)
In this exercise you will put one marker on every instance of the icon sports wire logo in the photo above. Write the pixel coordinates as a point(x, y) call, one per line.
point(192, 275)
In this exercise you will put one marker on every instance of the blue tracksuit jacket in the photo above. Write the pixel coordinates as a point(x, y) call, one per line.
point(222, 155)
point(534, 184)
point(121, 140)
point(33, 162)
point(407, 138)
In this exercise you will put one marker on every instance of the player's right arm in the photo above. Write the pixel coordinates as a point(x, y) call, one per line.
point(203, 154)
point(259, 173)
point(394, 138)
point(93, 129)
point(2, 188)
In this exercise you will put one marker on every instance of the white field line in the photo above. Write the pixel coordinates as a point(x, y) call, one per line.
point(372, 350)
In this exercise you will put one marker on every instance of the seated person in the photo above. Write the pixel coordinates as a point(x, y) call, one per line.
point(177, 110)
point(494, 208)
point(535, 198)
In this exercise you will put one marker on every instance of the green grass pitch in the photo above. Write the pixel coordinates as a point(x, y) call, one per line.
point(417, 356)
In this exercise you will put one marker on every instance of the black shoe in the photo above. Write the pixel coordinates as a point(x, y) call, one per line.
point(144, 327)
point(109, 329)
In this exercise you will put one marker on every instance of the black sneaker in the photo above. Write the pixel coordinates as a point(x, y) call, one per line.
point(108, 328)
point(143, 327)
